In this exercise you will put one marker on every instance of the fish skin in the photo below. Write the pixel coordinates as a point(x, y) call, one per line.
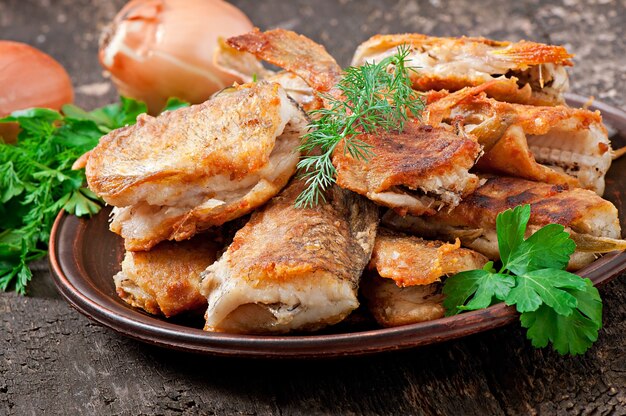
point(419, 158)
point(247, 67)
point(393, 306)
point(294, 53)
point(550, 204)
point(314, 254)
point(410, 260)
point(403, 283)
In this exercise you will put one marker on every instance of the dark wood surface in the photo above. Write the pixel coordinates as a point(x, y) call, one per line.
point(55, 361)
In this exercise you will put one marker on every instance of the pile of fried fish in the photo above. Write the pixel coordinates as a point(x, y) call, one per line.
point(204, 196)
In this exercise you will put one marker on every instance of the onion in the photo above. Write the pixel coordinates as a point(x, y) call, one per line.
point(29, 78)
point(156, 49)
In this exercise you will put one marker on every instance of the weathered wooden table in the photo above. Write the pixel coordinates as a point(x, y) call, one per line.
point(55, 361)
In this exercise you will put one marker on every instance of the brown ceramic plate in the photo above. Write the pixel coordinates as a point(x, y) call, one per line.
point(84, 256)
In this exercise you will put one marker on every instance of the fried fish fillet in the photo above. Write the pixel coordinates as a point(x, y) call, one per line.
point(188, 170)
point(559, 144)
point(419, 170)
point(292, 268)
point(591, 221)
point(166, 280)
point(403, 286)
point(534, 73)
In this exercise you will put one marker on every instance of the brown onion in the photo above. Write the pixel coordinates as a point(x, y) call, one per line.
point(156, 49)
point(29, 78)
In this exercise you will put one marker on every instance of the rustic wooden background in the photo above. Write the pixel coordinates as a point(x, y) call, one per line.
point(55, 361)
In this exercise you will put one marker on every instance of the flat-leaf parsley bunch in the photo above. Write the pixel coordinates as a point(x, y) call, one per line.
point(556, 306)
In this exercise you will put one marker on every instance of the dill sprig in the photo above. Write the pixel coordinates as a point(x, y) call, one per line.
point(373, 96)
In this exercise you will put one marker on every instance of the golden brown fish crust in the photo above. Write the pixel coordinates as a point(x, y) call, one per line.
point(170, 148)
point(410, 261)
point(520, 54)
point(188, 170)
point(166, 280)
point(303, 240)
point(532, 72)
point(247, 67)
point(422, 158)
point(292, 268)
point(403, 286)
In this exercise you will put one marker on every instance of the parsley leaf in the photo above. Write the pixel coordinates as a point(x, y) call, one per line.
point(545, 287)
point(572, 334)
point(556, 306)
point(10, 183)
point(481, 285)
point(174, 103)
point(82, 202)
point(549, 247)
point(109, 117)
point(511, 226)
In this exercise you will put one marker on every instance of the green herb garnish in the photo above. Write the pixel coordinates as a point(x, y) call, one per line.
point(36, 179)
point(373, 96)
point(556, 306)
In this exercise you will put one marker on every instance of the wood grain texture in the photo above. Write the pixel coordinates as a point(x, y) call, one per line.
point(55, 361)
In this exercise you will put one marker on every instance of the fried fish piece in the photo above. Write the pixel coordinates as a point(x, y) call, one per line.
point(292, 268)
point(402, 285)
point(166, 280)
point(418, 171)
point(294, 53)
point(410, 260)
point(559, 144)
point(591, 221)
point(247, 67)
point(188, 170)
point(533, 73)
point(391, 305)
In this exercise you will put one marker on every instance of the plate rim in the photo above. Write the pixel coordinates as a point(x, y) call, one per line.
point(173, 336)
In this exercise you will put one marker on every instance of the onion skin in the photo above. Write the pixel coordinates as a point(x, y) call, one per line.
point(29, 78)
point(156, 49)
